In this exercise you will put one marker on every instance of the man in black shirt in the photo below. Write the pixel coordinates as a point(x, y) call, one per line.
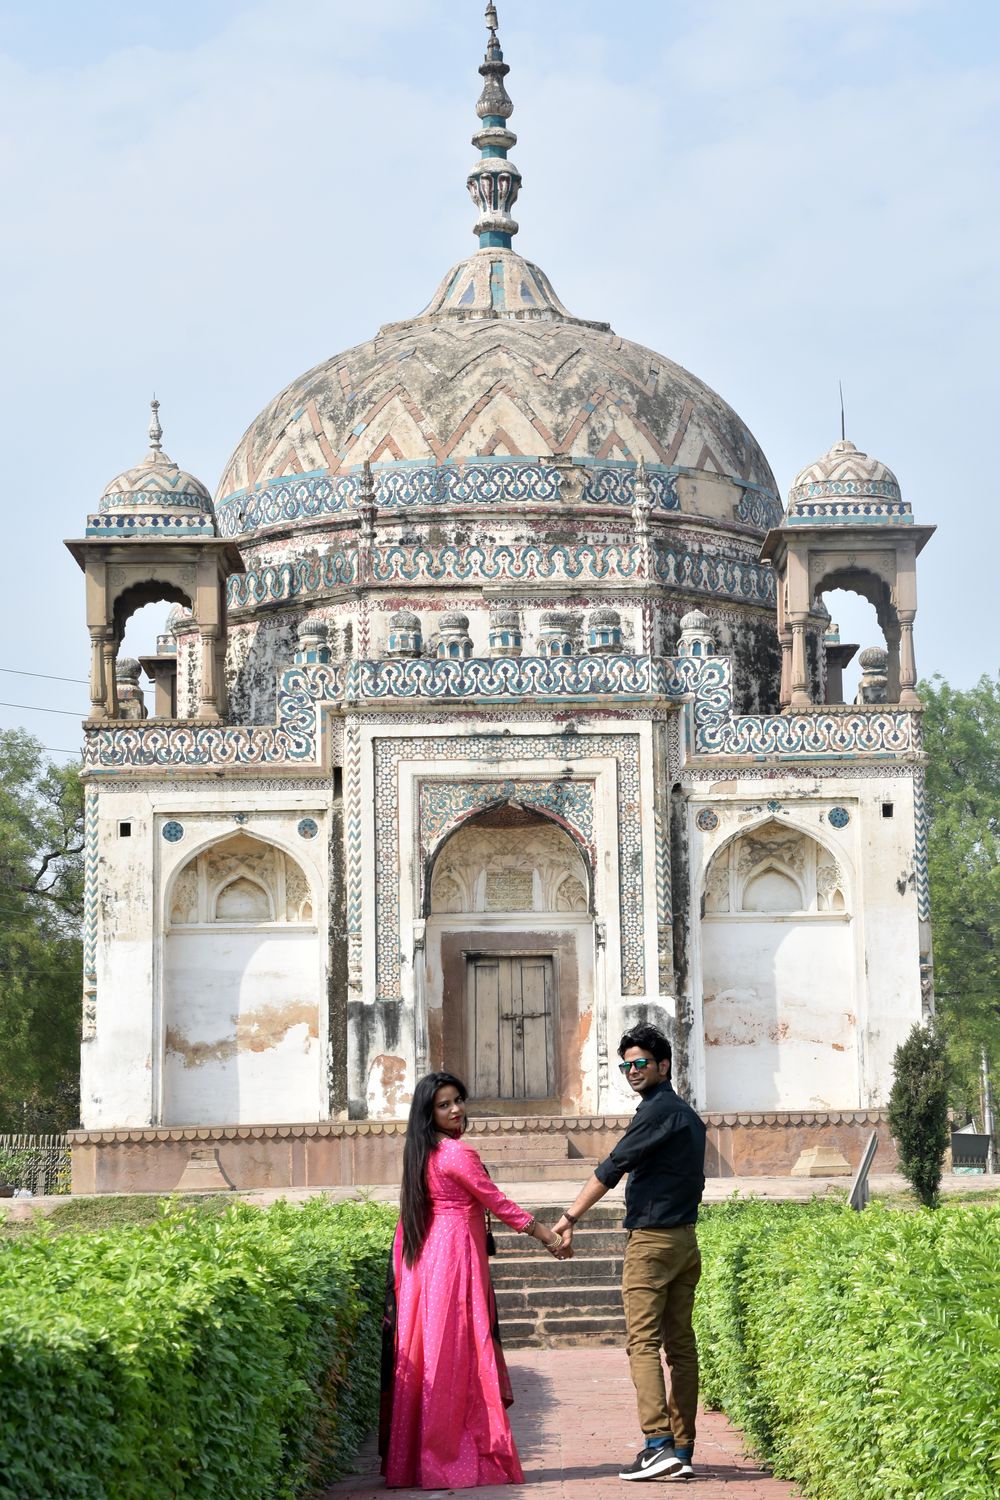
point(663, 1151)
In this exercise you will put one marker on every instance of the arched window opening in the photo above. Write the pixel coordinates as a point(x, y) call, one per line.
point(509, 860)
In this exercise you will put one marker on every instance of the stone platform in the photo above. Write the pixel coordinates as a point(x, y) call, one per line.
point(521, 1148)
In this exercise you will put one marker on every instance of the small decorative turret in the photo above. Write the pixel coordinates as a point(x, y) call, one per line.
point(494, 181)
point(405, 637)
point(697, 637)
point(454, 642)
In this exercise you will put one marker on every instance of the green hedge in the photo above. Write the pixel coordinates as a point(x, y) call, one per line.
point(233, 1358)
point(860, 1352)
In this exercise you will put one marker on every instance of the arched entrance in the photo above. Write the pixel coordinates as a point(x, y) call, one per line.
point(510, 962)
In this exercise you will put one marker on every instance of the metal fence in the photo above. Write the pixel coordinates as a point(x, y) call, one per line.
point(38, 1163)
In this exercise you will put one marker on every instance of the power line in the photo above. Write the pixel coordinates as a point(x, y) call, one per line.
point(17, 672)
point(33, 708)
point(48, 677)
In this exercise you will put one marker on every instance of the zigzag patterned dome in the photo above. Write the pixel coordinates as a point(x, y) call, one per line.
point(495, 368)
point(494, 394)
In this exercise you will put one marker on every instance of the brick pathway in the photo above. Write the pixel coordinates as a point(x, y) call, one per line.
point(574, 1421)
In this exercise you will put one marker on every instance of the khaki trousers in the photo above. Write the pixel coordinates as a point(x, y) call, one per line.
point(661, 1271)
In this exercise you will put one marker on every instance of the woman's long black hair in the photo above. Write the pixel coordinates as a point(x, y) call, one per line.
point(421, 1139)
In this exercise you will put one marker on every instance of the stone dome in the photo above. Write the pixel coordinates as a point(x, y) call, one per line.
point(157, 484)
point(845, 470)
point(494, 372)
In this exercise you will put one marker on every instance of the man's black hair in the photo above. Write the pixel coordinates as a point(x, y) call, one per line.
point(649, 1039)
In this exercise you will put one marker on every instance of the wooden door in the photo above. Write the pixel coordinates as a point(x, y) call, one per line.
point(510, 1031)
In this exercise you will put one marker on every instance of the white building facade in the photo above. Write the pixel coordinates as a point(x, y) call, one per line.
point(492, 717)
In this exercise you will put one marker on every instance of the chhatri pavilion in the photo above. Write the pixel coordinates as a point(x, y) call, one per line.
point(497, 708)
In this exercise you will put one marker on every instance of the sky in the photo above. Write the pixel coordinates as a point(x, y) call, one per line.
point(206, 199)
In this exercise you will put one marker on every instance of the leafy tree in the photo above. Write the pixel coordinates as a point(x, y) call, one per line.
point(962, 738)
point(918, 1110)
point(41, 907)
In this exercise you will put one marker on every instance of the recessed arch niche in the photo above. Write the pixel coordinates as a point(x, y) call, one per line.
point(510, 960)
point(241, 988)
point(778, 974)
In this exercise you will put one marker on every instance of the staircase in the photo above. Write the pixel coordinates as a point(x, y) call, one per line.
point(531, 1157)
point(550, 1304)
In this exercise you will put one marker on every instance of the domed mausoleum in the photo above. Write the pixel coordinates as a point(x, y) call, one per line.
point(494, 712)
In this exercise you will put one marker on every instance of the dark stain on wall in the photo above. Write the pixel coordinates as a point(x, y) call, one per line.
point(337, 961)
point(680, 870)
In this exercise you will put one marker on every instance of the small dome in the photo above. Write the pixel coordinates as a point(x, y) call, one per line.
point(505, 619)
point(695, 620)
point(605, 616)
point(555, 619)
point(179, 617)
point(845, 466)
point(454, 620)
point(157, 484)
point(873, 659)
point(404, 619)
point(127, 669)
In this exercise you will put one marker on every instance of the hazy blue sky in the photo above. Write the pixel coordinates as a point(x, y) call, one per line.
point(207, 199)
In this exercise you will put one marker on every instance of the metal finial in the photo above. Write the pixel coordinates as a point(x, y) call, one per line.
point(155, 430)
point(494, 181)
point(843, 424)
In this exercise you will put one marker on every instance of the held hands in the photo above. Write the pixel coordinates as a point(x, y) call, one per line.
point(560, 1244)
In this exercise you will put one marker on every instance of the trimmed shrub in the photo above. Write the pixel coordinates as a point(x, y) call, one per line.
point(860, 1352)
point(918, 1110)
point(233, 1358)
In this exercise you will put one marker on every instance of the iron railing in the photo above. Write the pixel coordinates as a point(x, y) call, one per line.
point(38, 1163)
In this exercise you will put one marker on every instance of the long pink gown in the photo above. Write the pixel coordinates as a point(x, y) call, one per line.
point(448, 1426)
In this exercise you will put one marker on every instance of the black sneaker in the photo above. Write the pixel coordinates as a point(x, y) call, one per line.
point(652, 1462)
point(683, 1470)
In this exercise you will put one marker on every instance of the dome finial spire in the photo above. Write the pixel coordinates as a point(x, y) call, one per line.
point(494, 181)
point(155, 430)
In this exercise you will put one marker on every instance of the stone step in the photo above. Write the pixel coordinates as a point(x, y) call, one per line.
point(513, 1146)
point(534, 1270)
point(563, 1331)
point(573, 1298)
point(536, 1169)
point(607, 1240)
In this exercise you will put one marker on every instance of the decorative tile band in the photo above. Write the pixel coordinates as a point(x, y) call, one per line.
point(291, 580)
point(148, 523)
point(90, 868)
point(706, 682)
point(444, 804)
point(920, 866)
point(504, 562)
point(850, 489)
point(286, 501)
point(869, 511)
point(443, 748)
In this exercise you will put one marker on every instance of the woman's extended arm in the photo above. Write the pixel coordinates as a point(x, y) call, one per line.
point(465, 1165)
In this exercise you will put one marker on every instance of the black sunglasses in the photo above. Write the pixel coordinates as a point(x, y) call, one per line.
point(637, 1062)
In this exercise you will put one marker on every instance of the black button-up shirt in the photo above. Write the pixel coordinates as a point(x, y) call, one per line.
point(663, 1151)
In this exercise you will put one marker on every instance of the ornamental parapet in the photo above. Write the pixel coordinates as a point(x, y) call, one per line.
point(304, 498)
point(308, 692)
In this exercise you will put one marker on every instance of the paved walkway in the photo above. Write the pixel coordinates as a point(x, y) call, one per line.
point(574, 1422)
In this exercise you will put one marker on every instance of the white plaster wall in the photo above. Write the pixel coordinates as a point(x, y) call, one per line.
point(122, 1062)
point(877, 959)
point(779, 1014)
point(241, 1015)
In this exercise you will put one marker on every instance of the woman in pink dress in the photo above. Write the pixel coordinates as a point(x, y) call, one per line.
point(444, 1379)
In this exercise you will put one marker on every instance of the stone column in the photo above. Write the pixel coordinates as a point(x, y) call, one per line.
point(98, 690)
point(892, 638)
point(907, 661)
point(109, 650)
point(785, 693)
point(800, 697)
point(209, 706)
